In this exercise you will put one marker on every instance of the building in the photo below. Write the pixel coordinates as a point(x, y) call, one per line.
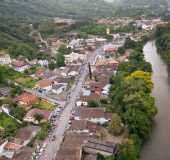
point(44, 85)
point(83, 126)
point(4, 58)
point(63, 22)
point(26, 99)
point(30, 116)
point(20, 65)
point(74, 57)
point(25, 135)
point(71, 148)
point(95, 146)
point(95, 115)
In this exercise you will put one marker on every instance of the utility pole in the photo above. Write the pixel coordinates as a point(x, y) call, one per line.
point(90, 72)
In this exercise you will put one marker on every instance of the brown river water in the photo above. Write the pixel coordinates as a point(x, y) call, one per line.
point(158, 146)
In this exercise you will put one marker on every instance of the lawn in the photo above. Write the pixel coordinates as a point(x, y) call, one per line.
point(25, 81)
point(44, 105)
point(9, 73)
point(8, 125)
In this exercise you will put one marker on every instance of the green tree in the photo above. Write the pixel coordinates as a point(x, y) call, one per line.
point(38, 117)
point(93, 103)
point(116, 125)
point(60, 60)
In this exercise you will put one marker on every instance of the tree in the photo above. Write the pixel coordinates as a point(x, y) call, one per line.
point(93, 103)
point(116, 125)
point(52, 66)
point(60, 60)
point(64, 49)
point(38, 117)
point(16, 91)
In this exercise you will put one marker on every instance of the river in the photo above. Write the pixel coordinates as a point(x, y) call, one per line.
point(158, 146)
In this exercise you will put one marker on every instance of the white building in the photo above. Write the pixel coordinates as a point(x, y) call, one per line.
point(4, 58)
point(74, 57)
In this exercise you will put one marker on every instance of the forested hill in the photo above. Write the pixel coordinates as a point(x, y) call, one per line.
point(36, 9)
point(138, 7)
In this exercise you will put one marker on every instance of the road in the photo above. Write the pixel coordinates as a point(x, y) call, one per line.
point(53, 146)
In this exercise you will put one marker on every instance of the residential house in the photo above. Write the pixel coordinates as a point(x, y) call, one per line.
point(25, 135)
point(26, 99)
point(95, 115)
point(25, 153)
point(105, 90)
point(44, 85)
point(96, 146)
point(30, 116)
point(101, 61)
point(63, 22)
point(4, 58)
point(84, 99)
point(5, 91)
point(71, 148)
point(20, 65)
point(83, 126)
point(9, 150)
point(74, 57)
point(59, 88)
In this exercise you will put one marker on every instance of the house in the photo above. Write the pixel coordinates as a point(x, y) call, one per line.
point(4, 58)
point(83, 126)
point(106, 89)
point(74, 57)
point(29, 117)
point(25, 153)
point(9, 149)
point(20, 65)
point(95, 146)
point(63, 22)
point(101, 61)
point(92, 96)
point(109, 48)
point(58, 89)
point(25, 135)
point(44, 85)
point(71, 148)
point(26, 99)
point(5, 91)
point(95, 115)
point(43, 62)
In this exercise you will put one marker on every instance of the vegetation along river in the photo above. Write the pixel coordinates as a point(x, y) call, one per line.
point(158, 146)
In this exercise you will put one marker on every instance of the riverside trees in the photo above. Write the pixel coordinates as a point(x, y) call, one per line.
point(132, 100)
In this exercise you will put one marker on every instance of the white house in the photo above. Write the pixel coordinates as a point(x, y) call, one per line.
point(74, 57)
point(44, 85)
point(4, 58)
point(20, 65)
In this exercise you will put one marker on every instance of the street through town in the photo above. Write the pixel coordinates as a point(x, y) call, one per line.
point(63, 123)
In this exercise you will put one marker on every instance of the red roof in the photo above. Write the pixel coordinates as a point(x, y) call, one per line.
point(44, 83)
point(12, 146)
point(27, 98)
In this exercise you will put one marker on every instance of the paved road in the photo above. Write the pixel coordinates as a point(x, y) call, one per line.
point(53, 146)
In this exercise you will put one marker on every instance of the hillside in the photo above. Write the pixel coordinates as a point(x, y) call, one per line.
point(139, 7)
point(30, 10)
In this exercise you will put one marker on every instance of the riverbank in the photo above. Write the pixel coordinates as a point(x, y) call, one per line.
point(132, 101)
point(157, 146)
